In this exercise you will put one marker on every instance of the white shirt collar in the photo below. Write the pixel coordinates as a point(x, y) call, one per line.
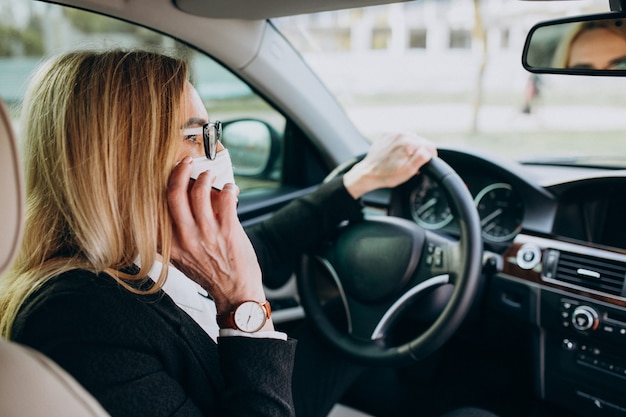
point(189, 296)
point(181, 289)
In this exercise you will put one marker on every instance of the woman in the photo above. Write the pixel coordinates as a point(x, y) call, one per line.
point(597, 45)
point(108, 159)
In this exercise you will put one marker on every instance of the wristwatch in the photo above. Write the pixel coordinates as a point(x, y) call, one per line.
point(249, 317)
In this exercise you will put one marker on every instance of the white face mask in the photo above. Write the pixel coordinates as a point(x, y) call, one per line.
point(221, 167)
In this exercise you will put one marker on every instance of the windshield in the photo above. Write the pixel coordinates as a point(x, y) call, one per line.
point(451, 71)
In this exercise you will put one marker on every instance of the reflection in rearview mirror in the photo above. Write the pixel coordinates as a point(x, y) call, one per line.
point(584, 45)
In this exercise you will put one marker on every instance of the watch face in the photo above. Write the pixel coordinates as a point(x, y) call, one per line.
point(249, 316)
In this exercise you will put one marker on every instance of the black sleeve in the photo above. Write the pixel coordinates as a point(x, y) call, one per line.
point(299, 226)
point(146, 358)
point(252, 387)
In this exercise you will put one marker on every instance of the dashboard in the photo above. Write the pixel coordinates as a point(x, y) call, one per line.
point(559, 236)
point(499, 205)
point(506, 201)
point(593, 210)
point(554, 240)
point(584, 205)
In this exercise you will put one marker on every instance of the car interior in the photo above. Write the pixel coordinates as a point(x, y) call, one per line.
point(484, 281)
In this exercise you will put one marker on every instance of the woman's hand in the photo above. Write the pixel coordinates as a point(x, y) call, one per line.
point(390, 161)
point(209, 243)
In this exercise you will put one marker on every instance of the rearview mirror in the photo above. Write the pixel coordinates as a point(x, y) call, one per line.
point(589, 45)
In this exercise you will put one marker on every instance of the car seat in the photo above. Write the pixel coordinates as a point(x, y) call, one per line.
point(30, 384)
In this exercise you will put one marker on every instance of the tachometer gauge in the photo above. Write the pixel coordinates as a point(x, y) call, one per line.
point(501, 212)
point(429, 205)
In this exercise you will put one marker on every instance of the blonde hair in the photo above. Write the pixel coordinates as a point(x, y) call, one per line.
point(99, 135)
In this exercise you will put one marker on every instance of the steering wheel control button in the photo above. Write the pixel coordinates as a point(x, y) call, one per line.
point(430, 250)
point(528, 256)
point(585, 318)
point(434, 255)
point(438, 257)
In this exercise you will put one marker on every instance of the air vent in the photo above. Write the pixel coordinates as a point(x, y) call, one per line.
point(604, 275)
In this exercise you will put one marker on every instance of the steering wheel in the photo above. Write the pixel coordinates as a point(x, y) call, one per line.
point(380, 265)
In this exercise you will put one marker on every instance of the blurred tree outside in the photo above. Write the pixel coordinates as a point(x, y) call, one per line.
point(479, 36)
point(28, 38)
point(26, 41)
point(25, 37)
point(89, 23)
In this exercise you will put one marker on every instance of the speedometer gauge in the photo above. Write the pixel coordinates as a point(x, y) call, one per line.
point(429, 205)
point(501, 212)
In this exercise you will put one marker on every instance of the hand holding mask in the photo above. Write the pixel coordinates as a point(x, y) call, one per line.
point(221, 167)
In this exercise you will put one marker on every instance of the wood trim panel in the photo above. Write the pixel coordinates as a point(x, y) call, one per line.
point(511, 265)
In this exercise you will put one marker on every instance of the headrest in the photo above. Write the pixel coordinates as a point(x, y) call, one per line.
point(11, 192)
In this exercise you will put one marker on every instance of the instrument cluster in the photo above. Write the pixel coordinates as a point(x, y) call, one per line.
point(500, 207)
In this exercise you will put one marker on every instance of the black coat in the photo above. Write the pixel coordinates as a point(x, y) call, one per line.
point(143, 356)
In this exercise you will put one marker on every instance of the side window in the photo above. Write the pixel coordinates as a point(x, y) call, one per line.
point(253, 130)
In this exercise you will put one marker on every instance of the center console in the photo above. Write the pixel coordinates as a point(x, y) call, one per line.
point(584, 353)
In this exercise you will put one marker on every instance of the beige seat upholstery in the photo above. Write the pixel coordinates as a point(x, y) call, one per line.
point(31, 385)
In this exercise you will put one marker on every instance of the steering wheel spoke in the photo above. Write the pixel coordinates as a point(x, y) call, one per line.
point(363, 320)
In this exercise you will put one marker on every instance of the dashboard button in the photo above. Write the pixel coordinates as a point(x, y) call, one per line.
point(528, 256)
point(585, 318)
point(608, 329)
point(568, 345)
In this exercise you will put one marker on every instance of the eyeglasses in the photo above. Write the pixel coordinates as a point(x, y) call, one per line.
point(211, 133)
